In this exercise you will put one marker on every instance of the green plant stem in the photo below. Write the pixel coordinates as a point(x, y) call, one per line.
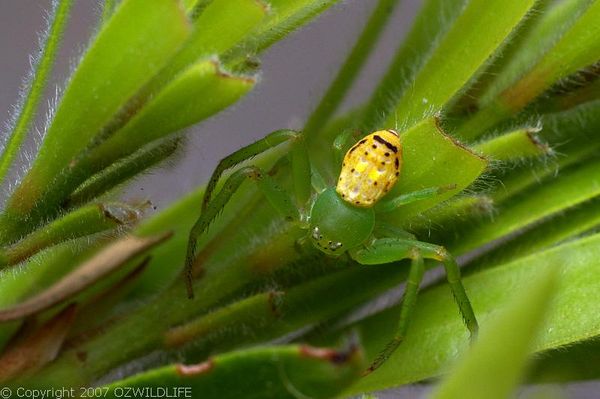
point(513, 146)
point(558, 229)
point(351, 67)
point(261, 309)
point(571, 188)
point(578, 48)
point(85, 221)
point(460, 53)
point(122, 171)
point(287, 16)
point(419, 43)
point(37, 85)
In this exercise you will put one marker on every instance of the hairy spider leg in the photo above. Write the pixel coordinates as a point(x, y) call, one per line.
point(299, 156)
point(392, 204)
point(387, 250)
point(278, 198)
point(342, 144)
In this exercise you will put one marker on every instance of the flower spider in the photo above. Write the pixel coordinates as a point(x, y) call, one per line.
point(341, 219)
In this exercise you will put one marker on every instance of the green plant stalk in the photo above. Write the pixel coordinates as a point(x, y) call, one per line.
point(270, 372)
point(547, 29)
point(122, 171)
point(220, 26)
point(287, 16)
point(419, 43)
point(513, 146)
point(40, 75)
point(553, 231)
point(572, 133)
point(173, 109)
point(260, 309)
point(351, 67)
point(85, 221)
point(523, 178)
point(306, 304)
point(495, 366)
point(443, 216)
point(511, 49)
point(109, 74)
point(461, 52)
point(154, 317)
point(578, 48)
point(569, 189)
point(557, 103)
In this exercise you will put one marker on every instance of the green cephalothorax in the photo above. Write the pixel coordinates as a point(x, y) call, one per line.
point(342, 219)
point(336, 226)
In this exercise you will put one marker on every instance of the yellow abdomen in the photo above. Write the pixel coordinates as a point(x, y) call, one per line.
point(370, 168)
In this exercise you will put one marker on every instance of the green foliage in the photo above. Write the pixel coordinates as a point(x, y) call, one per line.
point(475, 376)
point(36, 86)
point(279, 372)
point(95, 288)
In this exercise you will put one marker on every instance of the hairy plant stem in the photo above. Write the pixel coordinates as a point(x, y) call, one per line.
point(37, 85)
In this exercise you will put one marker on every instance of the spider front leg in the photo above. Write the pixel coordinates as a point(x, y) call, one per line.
point(387, 250)
point(282, 201)
point(389, 205)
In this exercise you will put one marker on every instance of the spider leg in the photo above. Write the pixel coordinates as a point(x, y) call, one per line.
point(341, 144)
point(389, 205)
point(387, 250)
point(277, 197)
point(299, 157)
point(280, 200)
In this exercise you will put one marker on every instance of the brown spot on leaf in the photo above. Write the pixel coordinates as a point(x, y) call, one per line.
point(195, 369)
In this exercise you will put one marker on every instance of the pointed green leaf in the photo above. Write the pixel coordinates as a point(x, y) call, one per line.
point(418, 44)
point(85, 221)
point(199, 92)
point(578, 48)
point(552, 231)
point(221, 25)
point(287, 16)
point(572, 187)
point(458, 56)
point(122, 171)
point(123, 57)
point(513, 146)
point(496, 364)
point(42, 71)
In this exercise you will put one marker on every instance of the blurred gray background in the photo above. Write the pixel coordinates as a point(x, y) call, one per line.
point(295, 72)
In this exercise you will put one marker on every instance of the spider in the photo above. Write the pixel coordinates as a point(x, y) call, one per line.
point(341, 219)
